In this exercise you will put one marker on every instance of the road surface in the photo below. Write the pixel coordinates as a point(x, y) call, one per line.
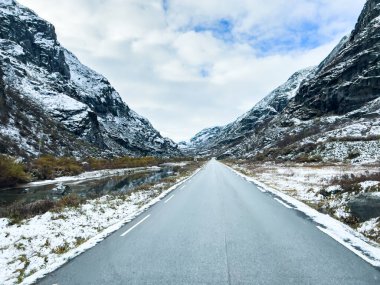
point(217, 228)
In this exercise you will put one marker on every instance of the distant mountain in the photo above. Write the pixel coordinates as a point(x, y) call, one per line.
point(227, 140)
point(51, 103)
point(333, 115)
point(201, 140)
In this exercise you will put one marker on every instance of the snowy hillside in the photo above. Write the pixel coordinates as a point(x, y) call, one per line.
point(80, 104)
point(330, 113)
point(224, 140)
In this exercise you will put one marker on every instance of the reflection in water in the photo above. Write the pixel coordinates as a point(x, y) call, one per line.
point(87, 188)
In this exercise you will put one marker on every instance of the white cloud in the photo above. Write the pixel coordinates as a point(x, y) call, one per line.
point(184, 80)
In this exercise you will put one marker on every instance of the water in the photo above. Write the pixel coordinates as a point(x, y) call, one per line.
point(85, 188)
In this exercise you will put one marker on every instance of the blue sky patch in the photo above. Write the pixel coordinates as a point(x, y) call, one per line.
point(303, 36)
point(165, 5)
point(220, 29)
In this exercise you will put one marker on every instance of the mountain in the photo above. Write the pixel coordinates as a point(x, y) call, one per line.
point(227, 140)
point(52, 103)
point(200, 140)
point(334, 115)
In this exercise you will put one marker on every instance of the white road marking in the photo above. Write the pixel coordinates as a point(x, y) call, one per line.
point(183, 187)
point(171, 197)
point(135, 226)
point(286, 205)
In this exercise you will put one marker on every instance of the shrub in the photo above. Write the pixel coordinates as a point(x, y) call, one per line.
point(71, 200)
point(49, 167)
point(304, 158)
point(11, 172)
point(122, 162)
point(61, 249)
point(350, 183)
point(20, 211)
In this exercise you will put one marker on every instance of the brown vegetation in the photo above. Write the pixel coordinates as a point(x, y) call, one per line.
point(20, 211)
point(49, 167)
point(11, 172)
point(23, 210)
point(350, 183)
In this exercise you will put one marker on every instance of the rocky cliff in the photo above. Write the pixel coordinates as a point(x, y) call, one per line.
point(334, 114)
point(230, 140)
point(79, 104)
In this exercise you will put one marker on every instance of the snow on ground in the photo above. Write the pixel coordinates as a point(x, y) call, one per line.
point(305, 182)
point(352, 239)
point(181, 164)
point(93, 175)
point(321, 186)
point(42, 244)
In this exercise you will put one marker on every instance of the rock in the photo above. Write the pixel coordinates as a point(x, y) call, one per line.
point(218, 140)
point(75, 111)
point(323, 113)
point(365, 206)
point(61, 189)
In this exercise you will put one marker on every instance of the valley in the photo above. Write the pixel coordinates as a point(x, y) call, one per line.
point(92, 193)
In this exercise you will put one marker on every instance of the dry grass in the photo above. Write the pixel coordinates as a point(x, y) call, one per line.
point(350, 183)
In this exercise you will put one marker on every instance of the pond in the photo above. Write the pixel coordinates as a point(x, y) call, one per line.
point(88, 188)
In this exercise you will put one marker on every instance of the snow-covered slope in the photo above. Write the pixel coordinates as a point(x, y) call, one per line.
point(227, 139)
point(79, 102)
point(334, 114)
point(201, 139)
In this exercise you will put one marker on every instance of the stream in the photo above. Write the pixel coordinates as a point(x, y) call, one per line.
point(87, 188)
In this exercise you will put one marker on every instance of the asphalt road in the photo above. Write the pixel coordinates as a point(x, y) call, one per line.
point(217, 229)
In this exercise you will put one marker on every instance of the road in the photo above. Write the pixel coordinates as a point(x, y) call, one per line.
point(217, 229)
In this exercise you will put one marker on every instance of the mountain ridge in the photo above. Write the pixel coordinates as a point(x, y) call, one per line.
point(73, 96)
point(334, 114)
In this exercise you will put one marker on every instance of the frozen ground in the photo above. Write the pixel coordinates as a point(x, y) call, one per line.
point(93, 175)
point(39, 245)
point(351, 238)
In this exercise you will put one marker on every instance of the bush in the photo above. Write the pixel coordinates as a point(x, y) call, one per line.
point(49, 167)
point(122, 162)
point(350, 183)
point(20, 211)
point(304, 158)
point(11, 172)
point(69, 201)
point(23, 210)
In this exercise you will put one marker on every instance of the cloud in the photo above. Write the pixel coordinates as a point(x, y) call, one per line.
point(186, 64)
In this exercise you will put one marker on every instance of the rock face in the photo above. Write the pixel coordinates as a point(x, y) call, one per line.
point(365, 206)
point(351, 78)
point(334, 114)
point(75, 99)
point(228, 140)
point(200, 141)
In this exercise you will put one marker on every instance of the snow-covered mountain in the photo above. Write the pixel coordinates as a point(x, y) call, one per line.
point(227, 140)
point(52, 103)
point(333, 115)
point(200, 140)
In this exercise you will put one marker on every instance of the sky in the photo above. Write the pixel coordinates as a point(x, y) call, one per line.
point(187, 65)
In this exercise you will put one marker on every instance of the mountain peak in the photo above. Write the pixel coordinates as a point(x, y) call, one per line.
point(70, 95)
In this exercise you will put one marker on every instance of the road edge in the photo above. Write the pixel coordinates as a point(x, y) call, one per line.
point(343, 234)
point(105, 233)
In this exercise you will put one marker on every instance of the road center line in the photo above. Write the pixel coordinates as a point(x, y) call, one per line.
point(286, 205)
point(135, 226)
point(171, 197)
